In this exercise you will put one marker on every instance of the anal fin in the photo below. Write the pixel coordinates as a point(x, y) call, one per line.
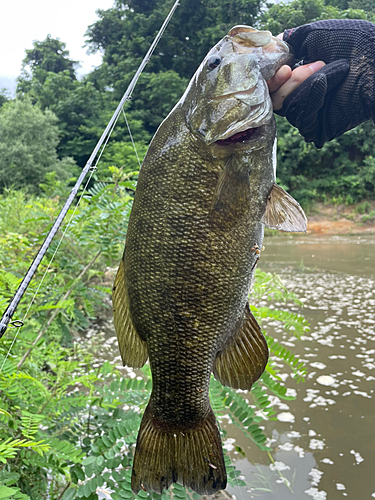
point(244, 357)
point(283, 212)
point(133, 349)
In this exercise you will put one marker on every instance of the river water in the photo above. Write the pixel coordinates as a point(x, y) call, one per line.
point(325, 438)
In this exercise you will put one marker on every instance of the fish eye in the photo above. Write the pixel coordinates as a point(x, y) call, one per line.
point(213, 62)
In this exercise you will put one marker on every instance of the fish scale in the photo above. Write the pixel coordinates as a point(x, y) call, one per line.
point(181, 291)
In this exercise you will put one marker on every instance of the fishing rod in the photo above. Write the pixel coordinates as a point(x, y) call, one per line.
point(10, 310)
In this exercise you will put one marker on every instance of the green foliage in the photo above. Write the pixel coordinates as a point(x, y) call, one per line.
point(66, 426)
point(28, 141)
point(4, 97)
point(124, 33)
point(362, 208)
point(76, 104)
point(349, 199)
point(366, 5)
point(95, 235)
point(47, 56)
point(269, 287)
point(46, 398)
point(344, 166)
point(369, 217)
point(120, 158)
point(281, 16)
point(163, 89)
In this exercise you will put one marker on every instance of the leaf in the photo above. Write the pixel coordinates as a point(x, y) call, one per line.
point(89, 460)
point(69, 494)
point(126, 494)
point(108, 442)
point(87, 489)
point(289, 358)
point(77, 470)
point(6, 492)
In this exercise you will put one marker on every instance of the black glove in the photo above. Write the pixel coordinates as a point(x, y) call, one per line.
point(341, 95)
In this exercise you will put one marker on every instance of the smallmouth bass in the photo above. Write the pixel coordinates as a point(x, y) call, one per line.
point(205, 191)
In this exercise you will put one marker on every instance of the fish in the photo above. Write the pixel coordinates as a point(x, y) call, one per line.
point(205, 191)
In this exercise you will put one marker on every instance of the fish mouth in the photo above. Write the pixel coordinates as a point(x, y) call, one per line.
point(246, 130)
point(244, 136)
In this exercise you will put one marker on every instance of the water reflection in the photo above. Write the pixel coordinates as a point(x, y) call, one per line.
point(324, 439)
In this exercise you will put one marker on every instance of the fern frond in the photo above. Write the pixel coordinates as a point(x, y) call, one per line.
point(10, 447)
point(4, 412)
point(291, 321)
point(242, 414)
point(30, 423)
point(262, 401)
point(298, 367)
point(66, 450)
point(269, 286)
point(275, 387)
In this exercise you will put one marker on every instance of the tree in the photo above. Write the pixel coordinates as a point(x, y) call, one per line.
point(344, 168)
point(342, 171)
point(77, 105)
point(4, 96)
point(48, 79)
point(28, 141)
point(367, 5)
point(48, 56)
point(280, 16)
point(125, 32)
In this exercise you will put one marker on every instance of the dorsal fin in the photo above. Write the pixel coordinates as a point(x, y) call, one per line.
point(133, 349)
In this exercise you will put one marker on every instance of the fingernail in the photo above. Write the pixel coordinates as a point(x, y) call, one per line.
point(316, 65)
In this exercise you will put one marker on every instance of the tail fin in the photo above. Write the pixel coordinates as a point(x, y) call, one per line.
point(192, 457)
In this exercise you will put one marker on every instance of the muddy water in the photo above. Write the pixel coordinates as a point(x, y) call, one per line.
point(325, 438)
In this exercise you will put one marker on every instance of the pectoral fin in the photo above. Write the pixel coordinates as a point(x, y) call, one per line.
point(231, 197)
point(283, 212)
point(244, 357)
point(133, 349)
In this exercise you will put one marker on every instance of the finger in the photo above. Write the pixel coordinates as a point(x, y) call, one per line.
point(298, 76)
point(280, 77)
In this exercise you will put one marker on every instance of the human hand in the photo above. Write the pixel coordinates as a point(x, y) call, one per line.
point(287, 80)
point(339, 95)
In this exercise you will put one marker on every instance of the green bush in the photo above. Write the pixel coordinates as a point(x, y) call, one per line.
point(28, 141)
point(68, 427)
point(369, 217)
point(362, 208)
point(349, 199)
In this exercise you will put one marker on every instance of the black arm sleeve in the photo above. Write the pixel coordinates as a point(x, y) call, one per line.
point(342, 94)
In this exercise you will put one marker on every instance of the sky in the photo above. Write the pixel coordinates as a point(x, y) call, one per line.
point(23, 21)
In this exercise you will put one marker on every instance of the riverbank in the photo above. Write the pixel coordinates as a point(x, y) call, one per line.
point(342, 219)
